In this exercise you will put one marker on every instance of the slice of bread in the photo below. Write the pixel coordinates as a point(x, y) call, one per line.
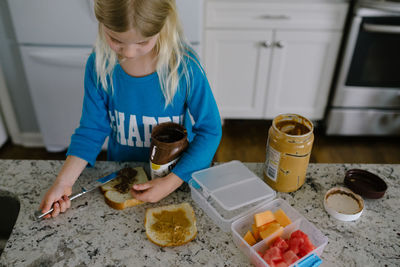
point(117, 192)
point(171, 225)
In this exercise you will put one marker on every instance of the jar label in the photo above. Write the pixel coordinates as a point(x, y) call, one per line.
point(272, 163)
point(161, 170)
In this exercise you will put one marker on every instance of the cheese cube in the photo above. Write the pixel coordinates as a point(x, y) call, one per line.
point(282, 218)
point(263, 218)
point(249, 238)
point(256, 232)
point(271, 229)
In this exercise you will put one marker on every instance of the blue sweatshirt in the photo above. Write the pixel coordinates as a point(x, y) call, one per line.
point(129, 114)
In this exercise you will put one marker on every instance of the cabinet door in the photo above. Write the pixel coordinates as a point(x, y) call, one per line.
point(237, 64)
point(301, 72)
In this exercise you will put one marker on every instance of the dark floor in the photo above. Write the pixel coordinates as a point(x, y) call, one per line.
point(245, 140)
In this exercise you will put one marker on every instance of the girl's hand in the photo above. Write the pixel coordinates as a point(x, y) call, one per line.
point(157, 189)
point(56, 196)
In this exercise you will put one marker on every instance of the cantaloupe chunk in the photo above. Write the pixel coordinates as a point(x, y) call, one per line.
point(263, 218)
point(282, 218)
point(270, 229)
point(255, 231)
point(249, 238)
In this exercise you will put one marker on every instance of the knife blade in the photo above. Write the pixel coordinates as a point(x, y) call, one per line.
point(84, 189)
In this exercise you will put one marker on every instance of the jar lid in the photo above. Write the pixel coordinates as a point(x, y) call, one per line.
point(365, 183)
point(343, 204)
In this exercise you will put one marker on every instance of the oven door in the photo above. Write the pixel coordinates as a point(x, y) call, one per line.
point(376, 56)
point(370, 76)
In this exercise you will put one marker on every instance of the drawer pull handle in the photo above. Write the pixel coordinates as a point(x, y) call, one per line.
point(266, 44)
point(279, 44)
point(284, 17)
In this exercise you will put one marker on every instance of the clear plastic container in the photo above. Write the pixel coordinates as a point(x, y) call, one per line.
point(228, 191)
point(230, 194)
point(242, 225)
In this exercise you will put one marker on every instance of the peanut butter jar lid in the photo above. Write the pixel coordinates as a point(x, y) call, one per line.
point(343, 204)
point(365, 183)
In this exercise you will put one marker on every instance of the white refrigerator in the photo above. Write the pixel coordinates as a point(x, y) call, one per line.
point(55, 37)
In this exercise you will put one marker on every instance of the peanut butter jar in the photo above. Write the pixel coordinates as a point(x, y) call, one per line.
point(289, 145)
point(168, 141)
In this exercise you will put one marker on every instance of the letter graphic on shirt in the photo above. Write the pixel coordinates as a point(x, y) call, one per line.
point(112, 120)
point(163, 119)
point(147, 122)
point(120, 119)
point(133, 132)
point(177, 119)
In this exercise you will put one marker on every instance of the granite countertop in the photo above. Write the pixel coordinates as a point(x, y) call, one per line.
point(91, 233)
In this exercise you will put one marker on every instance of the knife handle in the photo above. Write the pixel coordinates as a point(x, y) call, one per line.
point(40, 215)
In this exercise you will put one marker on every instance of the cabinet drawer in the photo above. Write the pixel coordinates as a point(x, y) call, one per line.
point(256, 14)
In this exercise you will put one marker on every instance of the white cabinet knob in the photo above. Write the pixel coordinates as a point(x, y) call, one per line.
point(266, 44)
point(279, 44)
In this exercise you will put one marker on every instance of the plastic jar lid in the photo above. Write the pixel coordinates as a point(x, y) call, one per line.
point(365, 183)
point(343, 204)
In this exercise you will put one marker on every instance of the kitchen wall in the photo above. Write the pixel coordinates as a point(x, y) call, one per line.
point(18, 92)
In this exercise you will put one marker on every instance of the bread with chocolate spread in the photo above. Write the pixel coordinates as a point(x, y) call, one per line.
point(171, 225)
point(117, 192)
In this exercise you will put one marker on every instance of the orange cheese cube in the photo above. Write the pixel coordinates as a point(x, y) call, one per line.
point(249, 238)
point(282, 218)
point(263, 218)
point(256, 232)
point(270, 229)
point(264, 226)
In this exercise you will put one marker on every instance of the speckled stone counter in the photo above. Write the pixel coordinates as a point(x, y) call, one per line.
point(92, 234)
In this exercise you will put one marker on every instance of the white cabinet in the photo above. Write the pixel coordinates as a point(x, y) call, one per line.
point(263, 59)
point(301, 73)
point(236, 64)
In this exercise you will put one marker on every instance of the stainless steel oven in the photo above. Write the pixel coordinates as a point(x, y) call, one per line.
point(367, 94)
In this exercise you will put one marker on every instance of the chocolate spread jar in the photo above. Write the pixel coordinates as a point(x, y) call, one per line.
point(168, 141)
point(289, 144)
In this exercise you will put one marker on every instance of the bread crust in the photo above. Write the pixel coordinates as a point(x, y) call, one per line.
point(129, 201)
point(120, 206)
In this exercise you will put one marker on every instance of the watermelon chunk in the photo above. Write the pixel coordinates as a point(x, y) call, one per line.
point(260, 253)
point(290, 257)
point(279, 264)
point(306, 248)
point(295, 243)
point(298, 233)
point(273, 254)
point(281, 244)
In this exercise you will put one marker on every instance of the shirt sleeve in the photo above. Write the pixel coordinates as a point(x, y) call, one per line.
point(206, 128)
point(94, 126)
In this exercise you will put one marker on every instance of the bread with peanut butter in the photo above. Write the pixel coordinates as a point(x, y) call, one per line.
point(171, 225)
point(117, 192)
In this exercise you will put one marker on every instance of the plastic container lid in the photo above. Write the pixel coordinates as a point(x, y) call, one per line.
point(232, 185)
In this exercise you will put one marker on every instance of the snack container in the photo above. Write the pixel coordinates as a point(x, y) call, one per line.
point(230, 194)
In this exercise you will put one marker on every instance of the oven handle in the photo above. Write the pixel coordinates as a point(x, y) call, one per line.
point(381, 28)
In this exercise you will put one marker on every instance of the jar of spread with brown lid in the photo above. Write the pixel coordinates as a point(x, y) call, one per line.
point(168, 141)
point(289, 144)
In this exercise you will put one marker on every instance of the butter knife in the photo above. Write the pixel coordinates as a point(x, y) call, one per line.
point(87, 188)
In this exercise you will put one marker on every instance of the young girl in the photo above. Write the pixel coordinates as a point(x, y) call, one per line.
point(141, 73)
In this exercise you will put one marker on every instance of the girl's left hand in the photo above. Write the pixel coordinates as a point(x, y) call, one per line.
point(157, 189)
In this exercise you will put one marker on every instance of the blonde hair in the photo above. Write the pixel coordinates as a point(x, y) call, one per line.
point(148, 17)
